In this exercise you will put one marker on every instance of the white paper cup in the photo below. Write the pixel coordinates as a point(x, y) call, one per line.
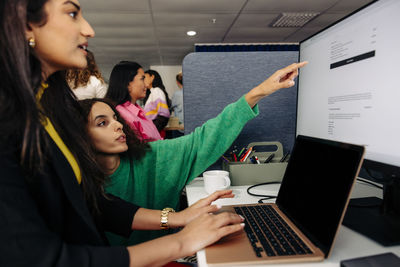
point(216, 180)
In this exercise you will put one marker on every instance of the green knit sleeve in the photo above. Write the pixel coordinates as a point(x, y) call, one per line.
point(178, 161)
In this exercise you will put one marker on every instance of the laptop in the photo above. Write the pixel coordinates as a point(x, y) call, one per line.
point(308, 211)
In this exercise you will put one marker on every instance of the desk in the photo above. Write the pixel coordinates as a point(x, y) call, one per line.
point(174, 125)
point(349, 244)
point(175, 128)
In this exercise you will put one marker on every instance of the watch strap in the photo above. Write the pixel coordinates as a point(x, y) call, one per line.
point(164, 217)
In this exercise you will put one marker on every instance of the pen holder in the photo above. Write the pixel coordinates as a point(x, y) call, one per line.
point(248, 173)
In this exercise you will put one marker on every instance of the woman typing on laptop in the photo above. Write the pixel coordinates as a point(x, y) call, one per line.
point(153, 175)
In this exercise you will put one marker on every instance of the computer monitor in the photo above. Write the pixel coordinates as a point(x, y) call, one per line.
point(350, 92)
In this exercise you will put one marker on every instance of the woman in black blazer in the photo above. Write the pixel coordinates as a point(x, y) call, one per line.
point(53, 210)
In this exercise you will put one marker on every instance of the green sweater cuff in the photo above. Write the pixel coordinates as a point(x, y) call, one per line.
point(244, 108)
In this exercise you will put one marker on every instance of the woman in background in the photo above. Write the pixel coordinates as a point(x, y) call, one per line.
point(88, 82)
point(126, 87)
point(177, 104)
point(156, 103)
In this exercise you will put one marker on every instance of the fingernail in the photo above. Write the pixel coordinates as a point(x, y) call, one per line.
point(218, 206)
point(242, 224)
point(241, 217)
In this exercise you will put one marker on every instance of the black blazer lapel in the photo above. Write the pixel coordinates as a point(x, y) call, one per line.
point(71, 187)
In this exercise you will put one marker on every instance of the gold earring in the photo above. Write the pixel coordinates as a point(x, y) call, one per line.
point(32, 42)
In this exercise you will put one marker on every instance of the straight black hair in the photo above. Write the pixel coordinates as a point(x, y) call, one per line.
point(157, 82)
point(121, 75)
point(61, 106)
point(20, 73)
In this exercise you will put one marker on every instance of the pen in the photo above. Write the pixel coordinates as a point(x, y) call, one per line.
point(269, 158)
point(255, 157)
point(224, 158)
point(243, 155)
point(241, 151)
point(253, 160)
point(233, 156)
point(246, 154)
point(285, 157)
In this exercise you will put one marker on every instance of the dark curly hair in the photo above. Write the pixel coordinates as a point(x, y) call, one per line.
point(80, 77)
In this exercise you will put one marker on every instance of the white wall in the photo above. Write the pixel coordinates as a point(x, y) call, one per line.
point(168, 75)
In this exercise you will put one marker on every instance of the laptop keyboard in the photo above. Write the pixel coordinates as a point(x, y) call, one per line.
point(269, 233)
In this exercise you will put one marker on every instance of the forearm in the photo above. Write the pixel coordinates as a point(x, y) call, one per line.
point(146, 219)
point(254, 95)
point(157, 252)
point(206, 229)
point(283, 78)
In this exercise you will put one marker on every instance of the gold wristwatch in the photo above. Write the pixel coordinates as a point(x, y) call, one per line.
point(164, 217)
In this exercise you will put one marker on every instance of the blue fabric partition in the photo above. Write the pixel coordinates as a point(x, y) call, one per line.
point(213, 80)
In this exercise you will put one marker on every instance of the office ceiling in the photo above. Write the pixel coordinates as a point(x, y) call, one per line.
point(153, 32)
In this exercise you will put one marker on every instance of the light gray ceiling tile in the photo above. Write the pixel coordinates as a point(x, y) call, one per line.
point(252, 34)
point(115, 5)
point(273, 6)
point(114, 19)
point(125, 32)
point(122, 42)
point(323, 20)
point(189, 20)
point(256, 20)
point(135, 49)
point(176, 49)
point(198, 6)
point(346, 6)
point(180, 32)
point(302, 34)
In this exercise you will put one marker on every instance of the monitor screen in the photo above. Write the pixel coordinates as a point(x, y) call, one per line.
point(350, 90)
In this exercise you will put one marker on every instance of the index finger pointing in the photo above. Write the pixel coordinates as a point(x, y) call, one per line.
point(295, 66)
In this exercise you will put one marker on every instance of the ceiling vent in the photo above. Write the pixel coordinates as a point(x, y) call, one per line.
point(295, 20)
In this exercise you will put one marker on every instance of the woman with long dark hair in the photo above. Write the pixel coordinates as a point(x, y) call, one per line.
point(126, 87)
point(156, 102)
point(154, 176)
point(53, 207)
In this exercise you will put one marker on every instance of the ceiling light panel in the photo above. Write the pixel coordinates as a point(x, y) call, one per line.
point(295, 20)
point(191, 33)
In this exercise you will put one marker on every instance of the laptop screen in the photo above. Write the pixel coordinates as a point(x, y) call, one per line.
point(316, 186)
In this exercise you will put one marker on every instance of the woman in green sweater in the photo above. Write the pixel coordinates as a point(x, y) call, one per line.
point(153, 175)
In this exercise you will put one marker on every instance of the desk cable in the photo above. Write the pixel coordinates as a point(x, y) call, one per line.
point(269, 197)
point(264, 197)
point(370, 183)
point(366, 202)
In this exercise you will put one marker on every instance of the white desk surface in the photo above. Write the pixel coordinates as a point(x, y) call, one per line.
point(349, 244)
